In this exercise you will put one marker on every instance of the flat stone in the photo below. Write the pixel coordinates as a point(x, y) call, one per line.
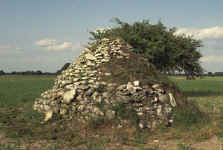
point(76, 79)
point(69, 96)
point(89, 63)
point(90, 57)
point(129, 86)
point(172, 100)
point(107, 74)
point(163, 98)
point(136, 83)
point(48, 115)
point(156, 86)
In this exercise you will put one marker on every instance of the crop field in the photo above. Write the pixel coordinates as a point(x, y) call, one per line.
point(21, 128)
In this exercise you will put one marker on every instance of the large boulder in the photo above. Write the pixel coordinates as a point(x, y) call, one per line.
point(107, 80)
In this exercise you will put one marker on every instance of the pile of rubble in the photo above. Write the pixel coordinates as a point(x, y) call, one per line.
point(82, 91)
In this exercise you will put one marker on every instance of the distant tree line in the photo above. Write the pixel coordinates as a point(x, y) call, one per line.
point(208, 74)
point(29, 72)
point(38, 72)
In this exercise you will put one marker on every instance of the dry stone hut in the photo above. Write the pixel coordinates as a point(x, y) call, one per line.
point(108, 80)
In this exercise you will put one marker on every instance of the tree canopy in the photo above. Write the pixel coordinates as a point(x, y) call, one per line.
point(159, 44)
point(65, 66)
point(2, 72)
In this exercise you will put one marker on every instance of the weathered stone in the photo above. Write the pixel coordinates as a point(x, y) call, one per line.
point(141, 125)
point(156, 86)
point(90, 57)
point(172, 100)
point(110, 114)
point(63, 111)
point(89, 92)
point(107, 74)
point(83, 87)
point(163, 98)
point(69, 96)
point(48, 115)
point(136, 83)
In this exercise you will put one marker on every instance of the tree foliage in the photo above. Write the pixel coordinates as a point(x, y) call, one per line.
point(159, 44)
point(2, 72)
point(65, 66)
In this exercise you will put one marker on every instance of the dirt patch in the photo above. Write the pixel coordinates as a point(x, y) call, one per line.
point(211, 144)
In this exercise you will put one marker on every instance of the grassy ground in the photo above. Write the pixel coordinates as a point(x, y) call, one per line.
point(20, 126)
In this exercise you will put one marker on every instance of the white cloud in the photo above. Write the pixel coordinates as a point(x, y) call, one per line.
point(212, 59)
point(202, 33)
point(61, 46)
point(51, 44)
point(46, 42)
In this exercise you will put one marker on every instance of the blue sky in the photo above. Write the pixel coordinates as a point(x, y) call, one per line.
point(45, 34)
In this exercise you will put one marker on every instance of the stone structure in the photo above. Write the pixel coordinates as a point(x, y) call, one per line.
point(86, 89)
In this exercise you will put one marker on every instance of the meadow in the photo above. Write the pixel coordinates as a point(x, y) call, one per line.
point(20, 126)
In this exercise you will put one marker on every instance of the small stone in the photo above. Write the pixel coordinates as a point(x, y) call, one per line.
point(89, 63)
point(104, 60)
point(140, 113)
point(141, 126)
point(119, 126)
point(136, 83)
point(107, 74)
point(63, 111)
point(79, 97)
point(155, 141)
point(66, 82)
point(91, 81)
point(85, 78)
point(89, 92)
point(159, 110)
point(172, 100)
point(69, 87)
point(119, 57)
point(84, 82)
point(69, 96)
point(46, 107)
point(94, 96)
point(110, 114)
point(129, 86)
point(48, 115)
point(163, 98)
point(99, 99)
point(105, 94)
point(156, 86)
point(90, 57)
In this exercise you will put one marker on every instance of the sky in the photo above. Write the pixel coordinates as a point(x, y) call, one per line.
point(46, 34)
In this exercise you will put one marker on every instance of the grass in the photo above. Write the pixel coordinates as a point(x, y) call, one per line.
point(205, 87)
point(18, 121)
point(17, 90)
point(182, 146)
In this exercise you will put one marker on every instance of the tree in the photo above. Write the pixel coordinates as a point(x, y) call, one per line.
point(2, 72)
point(210, 74)
point(65, 66)
point(39, 72)
point(161, 46)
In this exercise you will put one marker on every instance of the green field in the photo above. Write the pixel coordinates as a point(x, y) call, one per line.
point(20, 124)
